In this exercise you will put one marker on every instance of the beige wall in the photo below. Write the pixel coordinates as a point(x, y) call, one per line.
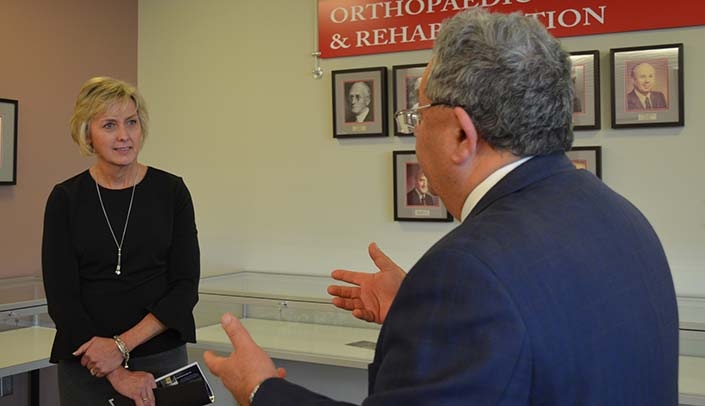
point(236, 112)
point(49, 48)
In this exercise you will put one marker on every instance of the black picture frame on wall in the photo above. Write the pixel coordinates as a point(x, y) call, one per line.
point(360, 102)
point(8, 141)
point(408, 204)
point(588, 158)
point(406, 80)
point(585, 73)
point(655, 71)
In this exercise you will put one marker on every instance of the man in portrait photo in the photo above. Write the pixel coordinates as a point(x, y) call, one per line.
point(419, 195)
point(577, 75)
point(642, 96)
point(359, 108)
point(412, 92)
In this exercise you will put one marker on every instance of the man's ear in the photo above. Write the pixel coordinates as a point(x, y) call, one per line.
point(466, 146)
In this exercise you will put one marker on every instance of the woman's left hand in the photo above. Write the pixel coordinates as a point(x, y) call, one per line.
point(136, 385)
point(100, 355)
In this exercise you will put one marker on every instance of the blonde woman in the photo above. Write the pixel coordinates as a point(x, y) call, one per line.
point(120, 257)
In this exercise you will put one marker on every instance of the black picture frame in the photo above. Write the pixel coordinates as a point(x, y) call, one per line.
point(8, 141)
point(410, 207)
point(405, 89)
point(664, 107)
point(588, 158)
point(373, 110)
point(585, 73)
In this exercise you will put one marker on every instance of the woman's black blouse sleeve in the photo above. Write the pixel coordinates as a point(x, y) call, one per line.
point(175, 309)
point(61, 275)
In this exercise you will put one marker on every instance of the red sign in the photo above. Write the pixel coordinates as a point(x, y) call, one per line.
point(358, 27)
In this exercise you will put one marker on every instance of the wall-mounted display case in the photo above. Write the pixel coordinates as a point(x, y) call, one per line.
point(26, 331)
point(691, 365)
point(289, 315)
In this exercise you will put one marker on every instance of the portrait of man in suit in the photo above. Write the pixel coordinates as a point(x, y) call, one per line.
point(578, 79)
point(412, 91)
point(643, 96)
point(419, 195)
point(359, 103)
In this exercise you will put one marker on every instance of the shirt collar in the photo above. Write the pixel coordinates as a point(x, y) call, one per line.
point(642, 97)
point(487, 184)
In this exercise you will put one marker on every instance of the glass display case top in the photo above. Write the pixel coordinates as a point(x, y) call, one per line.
point(264, 285)
point(21, 292)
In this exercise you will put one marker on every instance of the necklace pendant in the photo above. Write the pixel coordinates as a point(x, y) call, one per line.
point(110, 227)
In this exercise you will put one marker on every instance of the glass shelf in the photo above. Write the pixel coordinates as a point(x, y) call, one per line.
point(22, 303)
point(289, 315)
point(272, 296)
point(25, 326)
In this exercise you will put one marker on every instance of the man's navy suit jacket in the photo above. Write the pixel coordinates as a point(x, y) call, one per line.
point(554, 291)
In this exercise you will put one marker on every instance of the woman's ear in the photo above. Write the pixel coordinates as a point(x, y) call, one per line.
point(466, 145)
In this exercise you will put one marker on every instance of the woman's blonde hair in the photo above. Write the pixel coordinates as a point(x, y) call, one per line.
point(95, 97)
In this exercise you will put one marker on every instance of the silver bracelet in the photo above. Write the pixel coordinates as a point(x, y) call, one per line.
point(123, 350)
point(253, 393)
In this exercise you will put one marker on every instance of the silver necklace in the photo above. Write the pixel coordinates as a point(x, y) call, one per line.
point(122, 239)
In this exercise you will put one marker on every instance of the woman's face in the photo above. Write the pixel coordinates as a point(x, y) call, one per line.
point(116, 134)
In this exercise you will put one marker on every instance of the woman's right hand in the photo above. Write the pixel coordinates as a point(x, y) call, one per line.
point(99, 355)
point(136, 385)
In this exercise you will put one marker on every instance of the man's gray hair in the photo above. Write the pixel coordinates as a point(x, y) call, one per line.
point(510, 75)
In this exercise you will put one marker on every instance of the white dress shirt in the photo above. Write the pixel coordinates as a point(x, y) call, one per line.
point(487, 184)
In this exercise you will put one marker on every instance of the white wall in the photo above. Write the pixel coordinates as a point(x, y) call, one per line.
point(236, 113)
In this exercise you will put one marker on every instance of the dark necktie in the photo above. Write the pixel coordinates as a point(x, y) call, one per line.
point(647, 103)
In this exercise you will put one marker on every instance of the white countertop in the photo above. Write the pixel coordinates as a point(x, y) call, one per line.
point(25, 349)
point(315, 343)
point(30, 347)
point(323, 344)
point(691, 380)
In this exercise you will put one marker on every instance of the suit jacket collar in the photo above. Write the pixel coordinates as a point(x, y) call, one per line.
point(532, 171)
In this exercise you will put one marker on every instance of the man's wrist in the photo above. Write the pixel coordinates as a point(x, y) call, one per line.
point(253, 393)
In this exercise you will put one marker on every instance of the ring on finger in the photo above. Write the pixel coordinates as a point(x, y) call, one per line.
point(93, 371)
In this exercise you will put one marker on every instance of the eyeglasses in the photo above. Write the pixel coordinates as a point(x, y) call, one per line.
point(408, 119)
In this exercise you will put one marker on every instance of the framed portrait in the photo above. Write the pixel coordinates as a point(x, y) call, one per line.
point(406, 80)
point(360, 102)
point(414, 199)
point(647, 86)
point(588, 158)
point(585, 73)
point(8, 142)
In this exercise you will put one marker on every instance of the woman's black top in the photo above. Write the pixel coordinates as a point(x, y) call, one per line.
point(160, 265)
